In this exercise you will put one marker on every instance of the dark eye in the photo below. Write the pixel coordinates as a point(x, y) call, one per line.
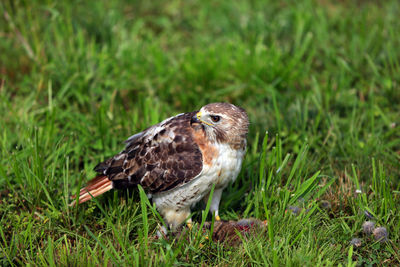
point(215, 118)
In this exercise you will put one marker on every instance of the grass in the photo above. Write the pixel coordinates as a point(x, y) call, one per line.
point(322, 77)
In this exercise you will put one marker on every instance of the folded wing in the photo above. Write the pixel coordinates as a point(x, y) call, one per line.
point(160, 158)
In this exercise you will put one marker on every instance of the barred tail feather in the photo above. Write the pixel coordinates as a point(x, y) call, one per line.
point(95, 187)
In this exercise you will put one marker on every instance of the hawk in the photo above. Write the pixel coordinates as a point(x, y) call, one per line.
point(178, 160)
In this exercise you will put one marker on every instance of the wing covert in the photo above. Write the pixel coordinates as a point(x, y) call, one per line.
point(160, 158)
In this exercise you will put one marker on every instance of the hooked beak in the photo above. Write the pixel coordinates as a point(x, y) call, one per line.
point(196, 118)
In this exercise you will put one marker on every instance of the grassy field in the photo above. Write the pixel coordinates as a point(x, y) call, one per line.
point(321, 77)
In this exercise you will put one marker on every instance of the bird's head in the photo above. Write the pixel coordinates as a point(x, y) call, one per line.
point(223, 123)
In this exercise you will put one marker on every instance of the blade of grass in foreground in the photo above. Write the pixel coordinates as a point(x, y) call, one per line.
point(105, 249)
point(145, 232)
point(306, 188)
point(204, 214)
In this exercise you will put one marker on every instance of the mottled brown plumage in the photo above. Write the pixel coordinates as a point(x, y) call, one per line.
point(178, 160)
point(157, 162)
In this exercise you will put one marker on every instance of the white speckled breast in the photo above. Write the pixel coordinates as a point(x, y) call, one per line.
point(224, 168)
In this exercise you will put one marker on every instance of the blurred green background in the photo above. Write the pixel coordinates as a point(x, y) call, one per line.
point(79, 77)
point(323, 71)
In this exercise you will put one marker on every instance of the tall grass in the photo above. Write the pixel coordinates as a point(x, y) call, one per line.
point(320, 77)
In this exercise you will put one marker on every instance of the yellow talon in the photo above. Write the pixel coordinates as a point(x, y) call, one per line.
point(189, 225)
point(217, 218)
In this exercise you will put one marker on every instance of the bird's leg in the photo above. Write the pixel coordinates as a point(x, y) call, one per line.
point(217, 218)
point(189, 223)
point(216, 198)
point(174, 218)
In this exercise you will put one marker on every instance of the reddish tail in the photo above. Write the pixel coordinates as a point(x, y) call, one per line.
point(95, 187)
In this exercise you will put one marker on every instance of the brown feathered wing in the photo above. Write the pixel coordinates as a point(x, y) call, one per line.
point(160, 158)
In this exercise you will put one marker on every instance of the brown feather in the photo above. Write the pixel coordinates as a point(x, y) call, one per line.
point(97, 186)
point(160, 158)
point(169, 154)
